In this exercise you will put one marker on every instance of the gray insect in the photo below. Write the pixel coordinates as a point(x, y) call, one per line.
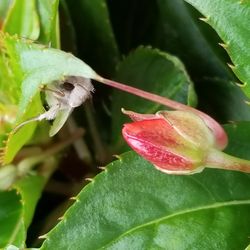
point(62, 97)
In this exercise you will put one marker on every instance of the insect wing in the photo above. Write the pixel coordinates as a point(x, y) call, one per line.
point(59, 121)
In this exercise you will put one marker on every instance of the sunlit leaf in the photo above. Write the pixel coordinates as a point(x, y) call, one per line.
point(22, 19)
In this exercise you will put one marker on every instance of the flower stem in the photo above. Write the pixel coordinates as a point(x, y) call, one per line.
point(218, 131)
point(218, 159)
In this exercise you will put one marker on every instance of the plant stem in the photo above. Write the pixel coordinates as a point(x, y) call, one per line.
point(219, 133)
point(100, 148)
point(79, 145)
point(218, 159)
point(28, 163)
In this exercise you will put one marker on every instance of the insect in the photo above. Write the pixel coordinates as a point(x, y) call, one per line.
point(62, 97)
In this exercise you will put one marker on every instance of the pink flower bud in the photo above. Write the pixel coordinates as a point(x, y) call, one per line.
point(178, 142)
point(173, 141)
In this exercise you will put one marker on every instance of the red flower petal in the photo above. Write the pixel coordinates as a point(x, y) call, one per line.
point(156, 141)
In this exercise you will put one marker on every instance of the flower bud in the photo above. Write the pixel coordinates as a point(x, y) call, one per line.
point(175, 142)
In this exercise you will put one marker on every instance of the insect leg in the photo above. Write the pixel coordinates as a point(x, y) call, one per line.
point(48, 115)
point(56, 92)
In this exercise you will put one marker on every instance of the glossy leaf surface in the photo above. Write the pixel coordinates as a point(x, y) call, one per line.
point(133, 206)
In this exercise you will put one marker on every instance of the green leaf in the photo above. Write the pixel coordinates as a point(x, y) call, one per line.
point(12, 228)
point(229, 102)
point(33, 66)
point(4, 6)
point(239, 137)
point(22, 19)
point(179, 31)
point(17, 209)
point(49, 23)
point(131, 205)
point(171, 26)
point(95, 38)
point(29, 199)
point(230, 19)
point(154, 71)
point(12, 247)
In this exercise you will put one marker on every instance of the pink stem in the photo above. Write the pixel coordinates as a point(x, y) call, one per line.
point(219, 133)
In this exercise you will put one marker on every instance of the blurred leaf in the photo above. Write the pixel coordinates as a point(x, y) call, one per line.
point(17, 209)
point(12, 247)
point(172, 26)
point(180, 32)
point(239, 137)
point(4, 6)
point(22, 19)
point(49, 23)
point(230, 19)
point(12, 227)
point(34, 65)
point(29, 199)
point(68, 36)
point(154, 71)
point(229, 102)
point(131, 205)
point(96, 41)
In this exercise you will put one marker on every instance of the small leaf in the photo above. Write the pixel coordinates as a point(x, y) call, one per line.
point(154, 71)
point(133, 206)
